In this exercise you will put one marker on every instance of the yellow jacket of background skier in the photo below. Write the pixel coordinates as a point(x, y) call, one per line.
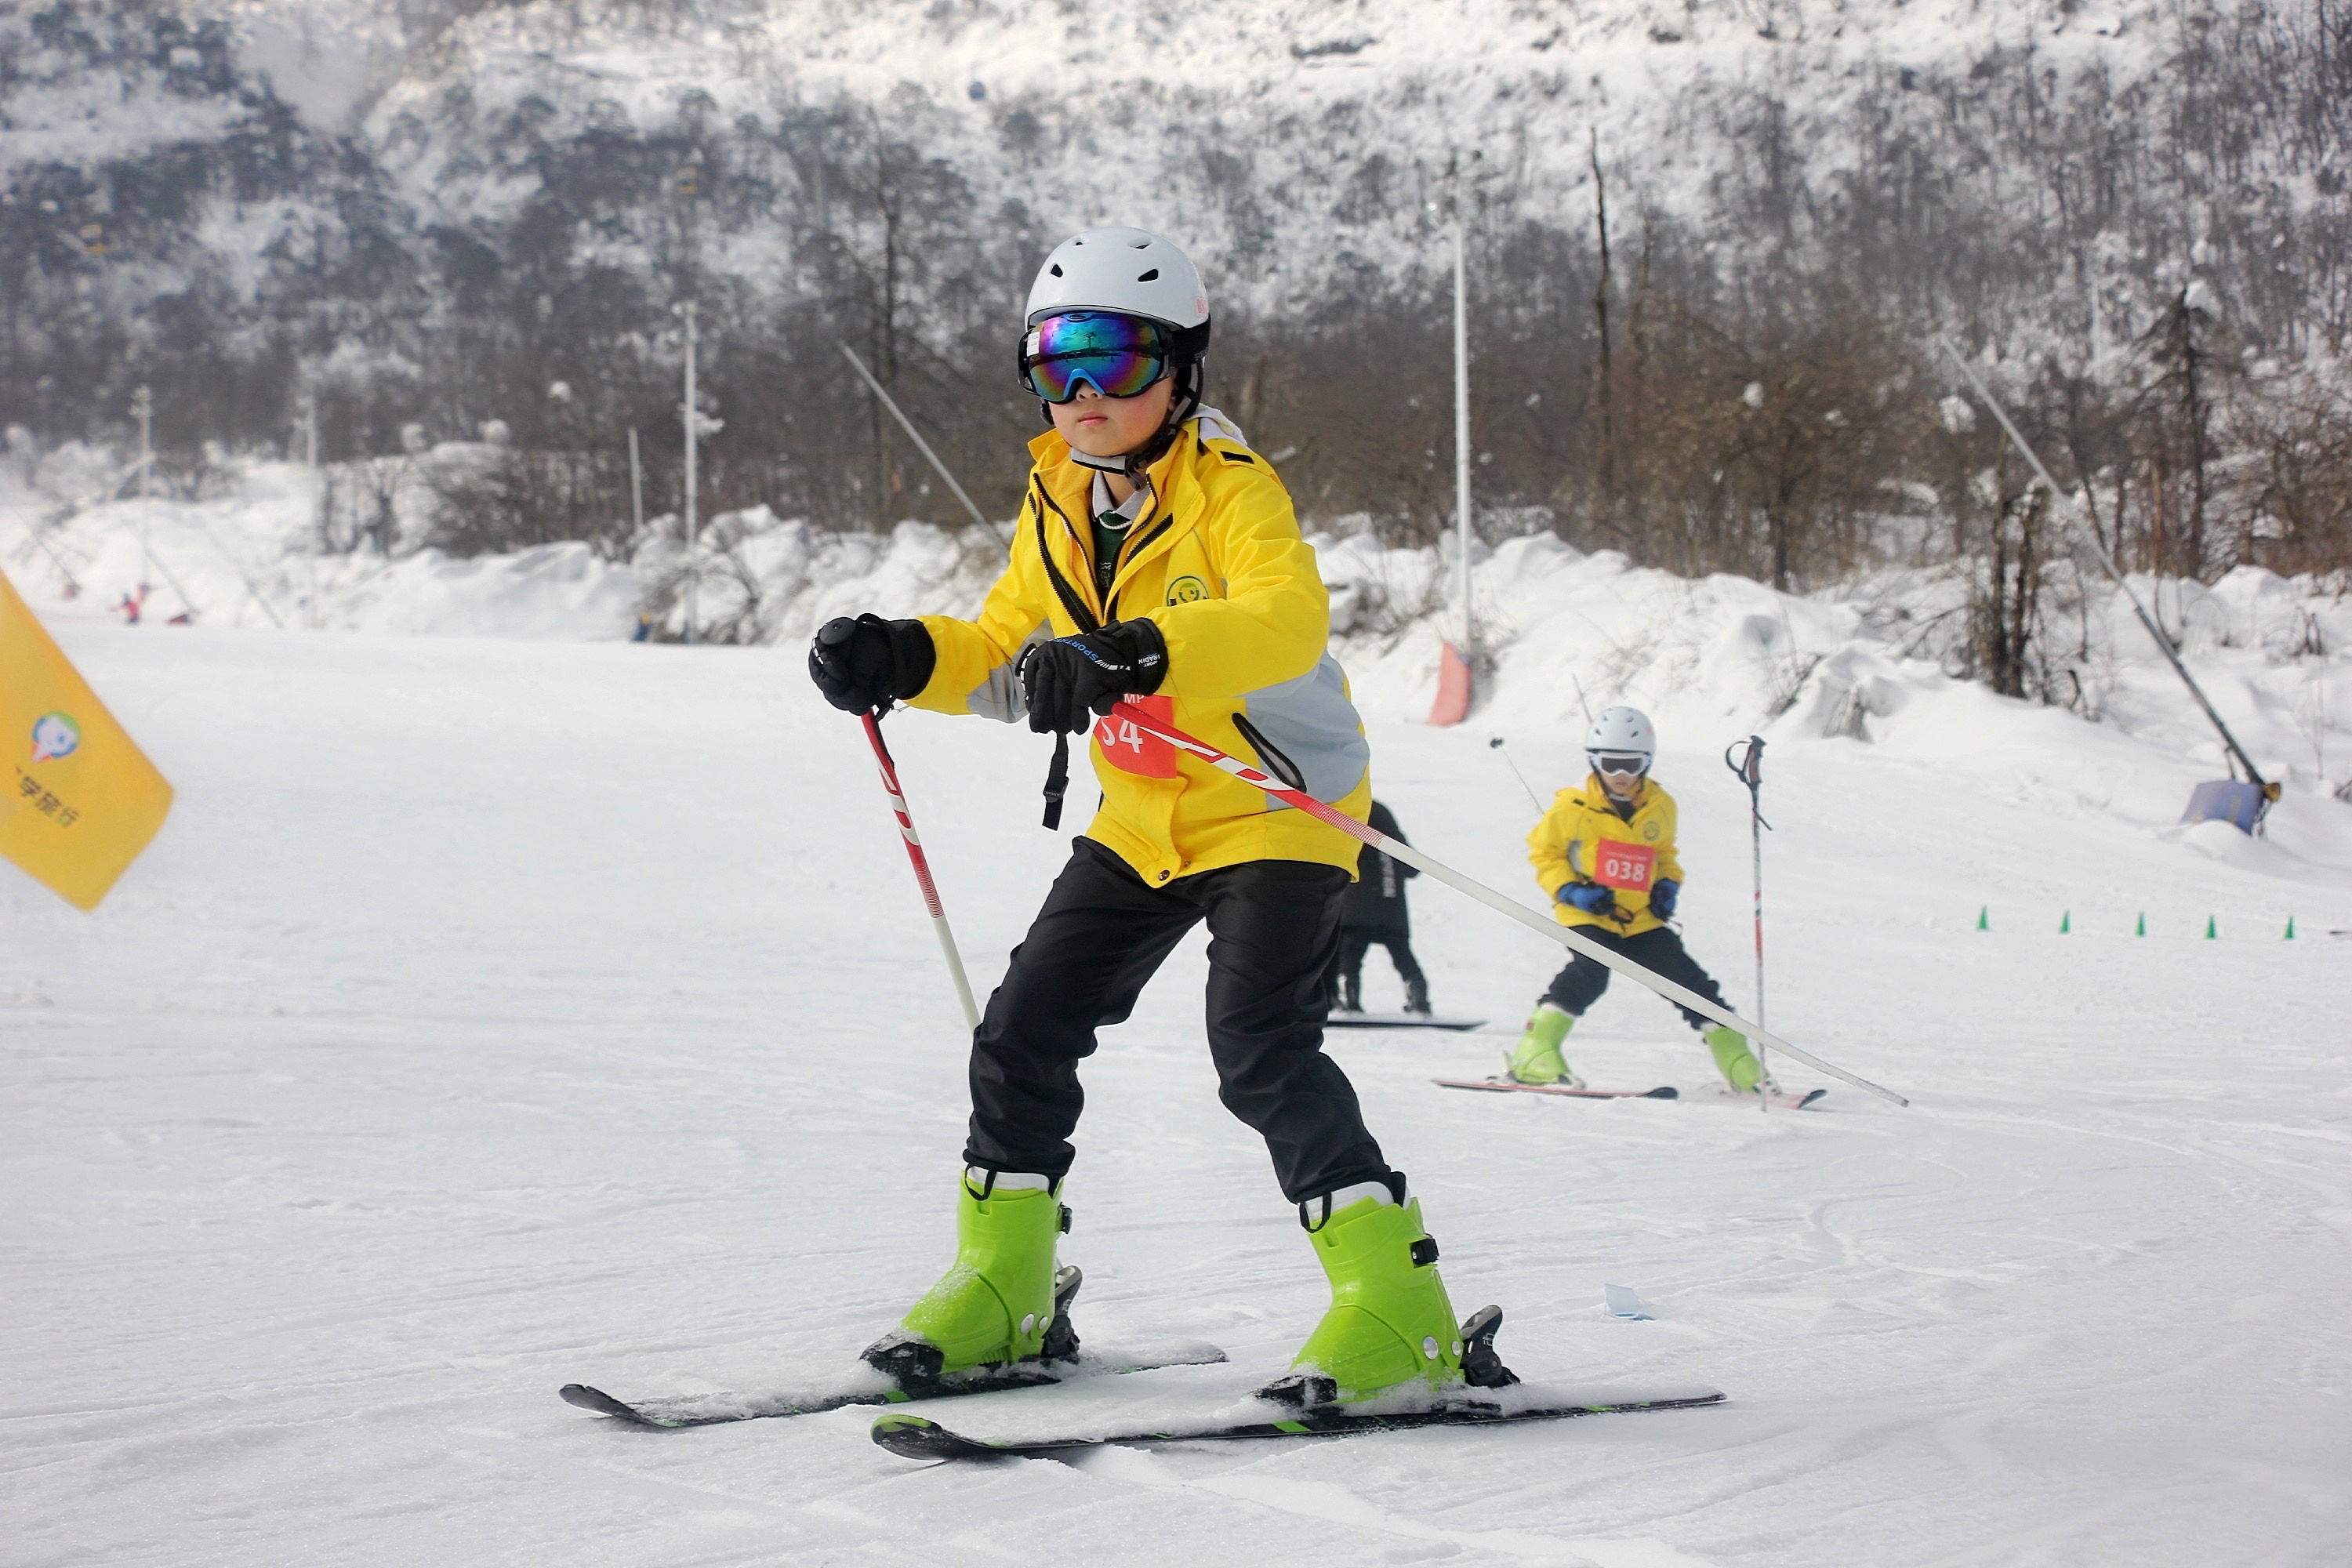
point(1218, 564)
point(1566, 846)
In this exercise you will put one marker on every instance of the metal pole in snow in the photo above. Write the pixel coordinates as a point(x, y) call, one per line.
point(2163, 643)
point(1461, 428)
point(636, 486)
point(921, 446)
point(142, 404)
point(1128, 713)
point(311, 457)
point(923, 871)
point(693, 526)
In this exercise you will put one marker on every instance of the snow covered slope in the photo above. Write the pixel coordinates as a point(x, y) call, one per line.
point(496, 1014)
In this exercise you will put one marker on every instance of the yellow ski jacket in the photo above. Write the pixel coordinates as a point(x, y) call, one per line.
point(1218, 564)
point(1582, 839)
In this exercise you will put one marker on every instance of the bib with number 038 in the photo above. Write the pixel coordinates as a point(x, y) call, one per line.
point(1616, 864)
point(1131, 750)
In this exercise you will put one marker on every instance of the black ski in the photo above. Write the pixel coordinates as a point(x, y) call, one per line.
point(904, 1382)
point(1398, 1021)
point(912, 1436)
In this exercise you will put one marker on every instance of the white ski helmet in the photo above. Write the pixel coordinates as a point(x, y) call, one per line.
point(1129, 271)
point(1622, 732)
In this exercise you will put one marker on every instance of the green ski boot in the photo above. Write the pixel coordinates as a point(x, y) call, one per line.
point(1002, 1301)
point(1536, 1058)
point(1733, 1059)
point(1390, 1324)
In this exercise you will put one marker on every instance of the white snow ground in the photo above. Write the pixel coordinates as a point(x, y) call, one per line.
point(493, 1014)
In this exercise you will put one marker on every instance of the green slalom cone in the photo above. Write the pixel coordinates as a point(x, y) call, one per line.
point(2142, 929)
point(2290, 928)
point(2211, 931)
point(1733, 1059)
point(1536, 1058)
point(1390, 1322)
point(2066, 922)
point(1984, 917)
point(996, 1301)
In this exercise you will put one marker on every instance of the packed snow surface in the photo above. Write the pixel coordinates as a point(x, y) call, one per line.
point(493, 1014)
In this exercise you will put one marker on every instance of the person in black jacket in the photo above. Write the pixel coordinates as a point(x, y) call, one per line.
point(1374, 914)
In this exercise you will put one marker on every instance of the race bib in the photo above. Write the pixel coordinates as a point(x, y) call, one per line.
point(1626, 866)
point(1132, 751)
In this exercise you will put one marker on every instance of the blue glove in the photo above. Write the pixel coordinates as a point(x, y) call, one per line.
point(1662, 897)
point(1591, 896)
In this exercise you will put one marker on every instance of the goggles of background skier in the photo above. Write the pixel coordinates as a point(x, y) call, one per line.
point(1118, 355)
point(1611, 764)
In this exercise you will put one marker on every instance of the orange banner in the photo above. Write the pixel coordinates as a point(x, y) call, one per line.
point(77, 800)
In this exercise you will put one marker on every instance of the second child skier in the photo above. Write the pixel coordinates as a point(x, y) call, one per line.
point(1605, 853)
point(1157, 559)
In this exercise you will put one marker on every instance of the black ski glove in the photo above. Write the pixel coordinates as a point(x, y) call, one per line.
point(859, 665)
point(1071, 681)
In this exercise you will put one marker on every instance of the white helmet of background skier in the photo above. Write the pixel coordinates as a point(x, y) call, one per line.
point(1620, 736)
point(1116, 310)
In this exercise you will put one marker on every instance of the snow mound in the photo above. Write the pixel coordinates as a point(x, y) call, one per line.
point(1881, 662)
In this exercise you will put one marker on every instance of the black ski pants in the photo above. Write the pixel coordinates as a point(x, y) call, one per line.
point(1355, 941)
point(1274, 926)
point(1659, 951)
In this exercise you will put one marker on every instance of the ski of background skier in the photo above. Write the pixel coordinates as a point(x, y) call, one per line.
point(913, 1437)
point(1781, 1099)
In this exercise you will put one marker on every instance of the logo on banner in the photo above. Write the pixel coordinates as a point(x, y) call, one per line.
point(55, 735)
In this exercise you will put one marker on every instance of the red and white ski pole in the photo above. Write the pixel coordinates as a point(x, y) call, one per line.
point(1128, 712)
point(922, 870)
point(1749, 771)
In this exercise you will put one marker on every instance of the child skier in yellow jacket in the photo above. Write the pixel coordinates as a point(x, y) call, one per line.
point(1157, 559)
point(1605, 853)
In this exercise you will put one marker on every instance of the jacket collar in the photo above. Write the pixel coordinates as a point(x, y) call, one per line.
point(1176, 507)
point(1598, 794)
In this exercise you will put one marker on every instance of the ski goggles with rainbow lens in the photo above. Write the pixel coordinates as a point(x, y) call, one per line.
point(1617, 762)
point(1118, 355)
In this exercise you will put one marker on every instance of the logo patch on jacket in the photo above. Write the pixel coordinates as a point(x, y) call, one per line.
point(1187, 591)
point(1650, 831)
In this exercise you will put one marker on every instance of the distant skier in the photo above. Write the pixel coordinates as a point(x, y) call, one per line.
point(1374, 915)
point(1161, 562)
point(1605, 853)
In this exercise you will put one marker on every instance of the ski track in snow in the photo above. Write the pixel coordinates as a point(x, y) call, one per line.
point(491, 1015)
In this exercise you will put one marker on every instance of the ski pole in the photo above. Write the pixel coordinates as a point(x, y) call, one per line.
point(1749, 770)
point(1127, 712)
point(1496, 745)
point(922, 868)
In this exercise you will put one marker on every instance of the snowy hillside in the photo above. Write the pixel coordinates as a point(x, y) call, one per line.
point(413, 219)
point(496, 1014)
